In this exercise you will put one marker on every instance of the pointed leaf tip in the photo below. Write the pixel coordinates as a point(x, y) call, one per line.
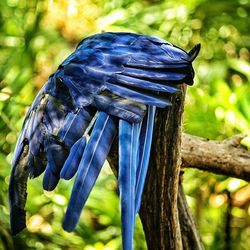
point(193, 53)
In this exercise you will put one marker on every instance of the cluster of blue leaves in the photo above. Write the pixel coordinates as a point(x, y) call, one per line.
point(113, 81)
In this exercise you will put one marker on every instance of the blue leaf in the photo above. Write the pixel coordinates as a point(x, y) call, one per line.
point(146, 135)
point(120, 107)
point(128, 160)
point(74, 125)
point(138, 96)
point(50, 179)
point(93, 158)
point(71, 164)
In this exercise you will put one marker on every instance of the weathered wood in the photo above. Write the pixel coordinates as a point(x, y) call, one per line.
point(159, 213)
point(227, 157)
point(190, 236)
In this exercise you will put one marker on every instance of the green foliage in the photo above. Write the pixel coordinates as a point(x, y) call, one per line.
point(35, 36)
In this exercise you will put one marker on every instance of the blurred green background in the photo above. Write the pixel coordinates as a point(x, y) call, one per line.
point(35, 36)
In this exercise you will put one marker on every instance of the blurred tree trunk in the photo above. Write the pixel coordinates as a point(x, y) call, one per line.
point(164, 213)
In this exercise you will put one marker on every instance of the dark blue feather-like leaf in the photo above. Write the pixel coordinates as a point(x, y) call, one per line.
point(120, 107)
point(137, 96)
point(154, 74)
point(144, 84)
point(145, 142)
point(74, 125)
point(50, 179)
point(128, 149)
point(17, 192)
point(93, 158)
point(56, 155)
point(71, 130)
point(72, 163)
point(36, 164)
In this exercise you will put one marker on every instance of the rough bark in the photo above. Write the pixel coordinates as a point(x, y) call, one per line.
point(159, 212)
point(227, 157)
point(190, 234)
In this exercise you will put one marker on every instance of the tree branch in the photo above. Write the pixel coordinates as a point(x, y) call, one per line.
point(227, 157)
point(190, 236)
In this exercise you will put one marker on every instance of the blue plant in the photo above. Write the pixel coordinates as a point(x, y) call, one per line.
point(113, 81)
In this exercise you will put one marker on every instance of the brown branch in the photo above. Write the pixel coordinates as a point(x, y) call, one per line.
point(227, 157)
point(190, 235)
